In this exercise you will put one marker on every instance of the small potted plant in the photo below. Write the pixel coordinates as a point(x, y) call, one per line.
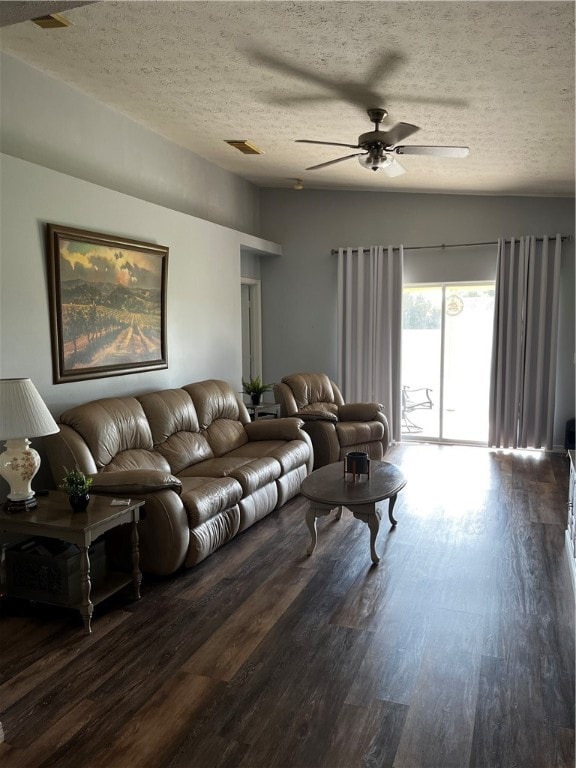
point(76, 484)
point(255, 388)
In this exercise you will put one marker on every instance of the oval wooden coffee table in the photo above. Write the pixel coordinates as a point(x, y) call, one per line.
point(327, 488)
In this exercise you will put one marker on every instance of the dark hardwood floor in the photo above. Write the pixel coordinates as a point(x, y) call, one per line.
point(456, 651)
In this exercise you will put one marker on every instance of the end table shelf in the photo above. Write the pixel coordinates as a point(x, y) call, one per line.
point(54, 519)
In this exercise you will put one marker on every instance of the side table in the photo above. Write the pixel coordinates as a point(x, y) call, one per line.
point(53, 518)
point(264, 409)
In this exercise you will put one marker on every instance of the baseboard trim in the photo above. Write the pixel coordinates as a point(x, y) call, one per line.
point(571, 559)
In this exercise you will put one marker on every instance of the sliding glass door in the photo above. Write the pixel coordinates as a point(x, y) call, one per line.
point(446, 352)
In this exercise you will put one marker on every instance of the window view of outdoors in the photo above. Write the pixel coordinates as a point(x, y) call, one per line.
point(446, 352)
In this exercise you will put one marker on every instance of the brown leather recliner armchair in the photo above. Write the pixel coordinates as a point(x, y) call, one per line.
point(335, 427)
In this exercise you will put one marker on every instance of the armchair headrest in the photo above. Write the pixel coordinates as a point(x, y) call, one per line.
point(312, 388)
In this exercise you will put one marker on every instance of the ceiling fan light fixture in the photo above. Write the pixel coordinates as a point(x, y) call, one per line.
point(374, 161)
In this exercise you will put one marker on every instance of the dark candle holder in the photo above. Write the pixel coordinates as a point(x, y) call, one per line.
point(356, 463)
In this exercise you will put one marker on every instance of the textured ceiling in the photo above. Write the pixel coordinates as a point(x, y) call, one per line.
point(497, 77)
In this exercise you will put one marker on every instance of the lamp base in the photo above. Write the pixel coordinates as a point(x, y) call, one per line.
point(22, 505)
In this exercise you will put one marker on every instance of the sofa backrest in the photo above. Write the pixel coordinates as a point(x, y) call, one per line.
point(168, 430)
point(219, 415)
point(117, 433)
point(314, 391)
point(175, 429)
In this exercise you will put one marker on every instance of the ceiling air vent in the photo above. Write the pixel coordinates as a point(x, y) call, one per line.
point(53, 21)
point(244, 146)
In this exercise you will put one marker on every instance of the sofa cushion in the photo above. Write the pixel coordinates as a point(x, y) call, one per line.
point(289, 455)
point(224, 435)
point(113, 426)
point(136, 458)
point(174, 425)
point(218, 412)
point(250, 473)
point(169, 411)
point(206, 497)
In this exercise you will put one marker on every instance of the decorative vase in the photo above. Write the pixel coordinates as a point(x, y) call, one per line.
point(255, 399)
point(357, 463)
point(79, 501)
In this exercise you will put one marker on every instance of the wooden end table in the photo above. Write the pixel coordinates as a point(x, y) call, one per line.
point(264, 409)
point(328, 488)
point(53, 518)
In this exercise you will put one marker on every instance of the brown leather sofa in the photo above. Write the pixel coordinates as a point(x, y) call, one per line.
point(335, 427)
point(205, 471)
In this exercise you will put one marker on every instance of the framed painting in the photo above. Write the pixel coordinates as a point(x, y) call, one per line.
point(107, 304)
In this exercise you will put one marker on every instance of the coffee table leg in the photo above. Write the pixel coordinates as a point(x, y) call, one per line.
point(391, 503)
point(311, 523)
point(373, 521)
point(86, 607)
point(339, 513)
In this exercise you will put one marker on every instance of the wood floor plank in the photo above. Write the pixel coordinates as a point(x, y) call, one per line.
point(300, 728)
point(55, 658)
point(213, 751)
point(507, 701)
point(376, 734)
point(440, 720)
point(365, 603)
point(156, 729)
point(52, 740)
point(231, 645)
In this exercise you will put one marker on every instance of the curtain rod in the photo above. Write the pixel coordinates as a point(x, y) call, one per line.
point(334, 251)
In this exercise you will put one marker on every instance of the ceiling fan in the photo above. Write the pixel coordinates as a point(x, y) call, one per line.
point(379, 147)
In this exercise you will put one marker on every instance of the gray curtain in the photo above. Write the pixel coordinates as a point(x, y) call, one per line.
point(370, 328)
point(524, 350)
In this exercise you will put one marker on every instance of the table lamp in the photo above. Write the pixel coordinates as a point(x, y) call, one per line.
point(22, 412)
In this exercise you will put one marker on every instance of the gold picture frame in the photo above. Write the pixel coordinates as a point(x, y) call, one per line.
point(107, 297)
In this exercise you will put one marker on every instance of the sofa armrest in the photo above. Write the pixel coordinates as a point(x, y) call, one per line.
point(319, 415)
point(288, 428)
point(359, 411)
point(135, 482)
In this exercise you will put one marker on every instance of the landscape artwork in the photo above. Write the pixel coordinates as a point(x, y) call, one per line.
point(107, 304)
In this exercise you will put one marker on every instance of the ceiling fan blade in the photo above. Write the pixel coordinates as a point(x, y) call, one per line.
point(333, 162)
point(398, 132)
point(435, 151)
point(328, 143)
point(394, 169)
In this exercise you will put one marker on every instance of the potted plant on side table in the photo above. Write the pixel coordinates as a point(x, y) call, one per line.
point(255, 388)
point(76, 484)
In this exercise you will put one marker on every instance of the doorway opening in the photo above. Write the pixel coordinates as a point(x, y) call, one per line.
point(446, 358)
point(251, 328)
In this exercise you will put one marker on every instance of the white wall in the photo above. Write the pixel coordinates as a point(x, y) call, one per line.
point(47, 122)
point(299, 291)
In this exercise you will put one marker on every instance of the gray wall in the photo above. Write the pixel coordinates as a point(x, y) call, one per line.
point(203, 304)
point(47, 122)
point(300, 289)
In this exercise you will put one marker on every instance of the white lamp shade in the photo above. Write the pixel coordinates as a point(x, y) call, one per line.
point(23, 413)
